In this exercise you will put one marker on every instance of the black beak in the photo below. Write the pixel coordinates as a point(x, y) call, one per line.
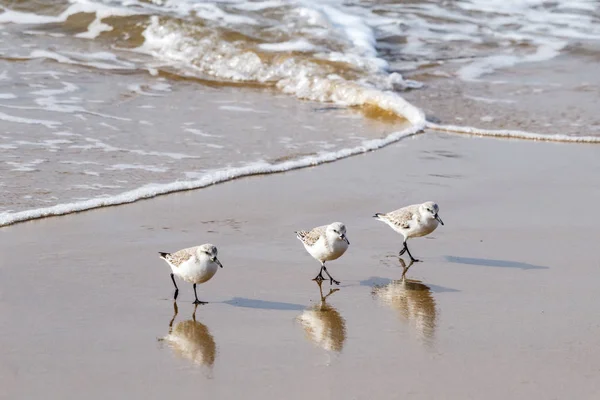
point(345, 239)
point(439, 219)
point(214, 259)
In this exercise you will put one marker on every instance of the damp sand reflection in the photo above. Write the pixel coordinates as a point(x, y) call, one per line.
point(191, 340)
point(323, 324)
point(414, 302)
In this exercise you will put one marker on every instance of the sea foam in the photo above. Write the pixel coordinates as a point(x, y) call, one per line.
point(512, 134)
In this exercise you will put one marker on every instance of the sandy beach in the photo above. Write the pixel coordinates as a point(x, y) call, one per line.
point(503, 306)
point(111, 102)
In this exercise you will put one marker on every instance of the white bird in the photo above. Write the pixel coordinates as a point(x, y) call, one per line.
point(325, 243)
point(413, 221)
point(194, 265)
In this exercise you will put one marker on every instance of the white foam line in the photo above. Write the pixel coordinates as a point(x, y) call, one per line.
point(300, 45)
point(208, 179)
point(20, 120)
point(512, 134)
point(49, 104)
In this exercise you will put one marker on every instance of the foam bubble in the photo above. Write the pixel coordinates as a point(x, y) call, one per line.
point(488, 65)
point(12, 118)
point(300, 45)
point(200, 132)
point(258, 5)
point(175, 156)
point(29, 166)
point(240, 109)
point(80, 162)
point(100, 60)
point(100, 10)
point(489, 100)
point(149, 168)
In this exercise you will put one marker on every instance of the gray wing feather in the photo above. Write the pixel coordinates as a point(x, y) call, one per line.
point(401, 217)
point(181, 256)
point(311, 237)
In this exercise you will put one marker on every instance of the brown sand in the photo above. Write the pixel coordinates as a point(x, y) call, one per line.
point(503, 306)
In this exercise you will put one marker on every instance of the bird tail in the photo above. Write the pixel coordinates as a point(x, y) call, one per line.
point(163, 255)
point(300, 234)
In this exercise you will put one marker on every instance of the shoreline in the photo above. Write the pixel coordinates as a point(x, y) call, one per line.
point(216, 177)
point(71, 172)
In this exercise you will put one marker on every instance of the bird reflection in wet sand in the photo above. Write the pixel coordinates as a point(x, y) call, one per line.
point(323, 324)
point(191, 339)
point(413, 300)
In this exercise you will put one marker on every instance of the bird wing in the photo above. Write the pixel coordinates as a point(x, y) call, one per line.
point(401, 217)
point(311, 237)
point(181, 256)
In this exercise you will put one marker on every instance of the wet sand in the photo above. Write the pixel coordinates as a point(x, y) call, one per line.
point(503, 306)
point(558, 97)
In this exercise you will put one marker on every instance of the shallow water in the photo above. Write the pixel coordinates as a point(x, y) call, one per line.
point(102, 138)
point(106, 102)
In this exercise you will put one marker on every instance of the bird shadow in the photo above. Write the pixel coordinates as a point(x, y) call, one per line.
point(486, 262)
point(379, 281)
point(263, 304)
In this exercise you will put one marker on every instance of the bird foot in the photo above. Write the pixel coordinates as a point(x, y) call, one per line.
point(198, 302)
point(332, 281)
point(318, 278)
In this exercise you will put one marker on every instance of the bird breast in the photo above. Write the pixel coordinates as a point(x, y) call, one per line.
point(197, 271)
point(427, 226)
point(338, 247)
point(327, 250)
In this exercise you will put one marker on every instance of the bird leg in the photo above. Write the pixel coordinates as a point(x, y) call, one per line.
point(331, 291)
point(331, 280)
point(406, 250)
point(196, 302)
point(405, 268)
point(176, 288)
point(319, 278)
point(175, 312)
